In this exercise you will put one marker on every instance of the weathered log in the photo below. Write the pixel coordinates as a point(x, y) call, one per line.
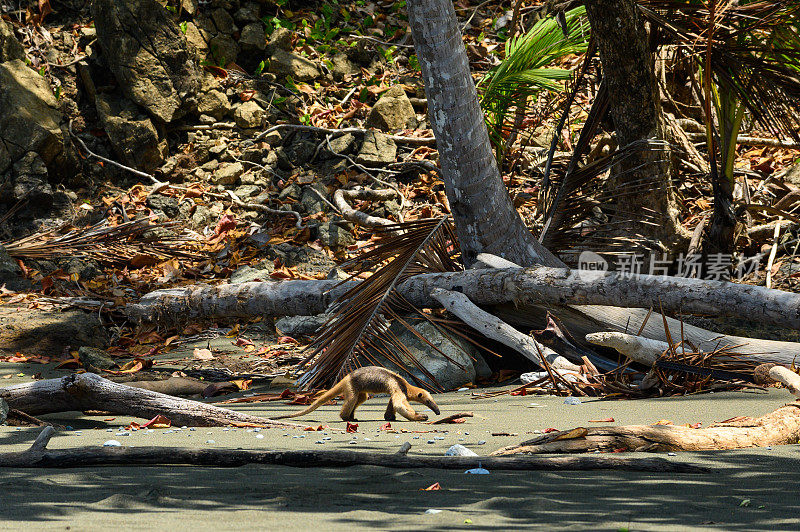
point(637, 348)
point(39, 456)
point(496, 286)
point(493, 327)
point(88, 391)
point(781, 427)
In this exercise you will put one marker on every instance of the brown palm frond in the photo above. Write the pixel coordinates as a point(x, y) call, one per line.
point(755, 51)
point(359, 330)
point(105, 243)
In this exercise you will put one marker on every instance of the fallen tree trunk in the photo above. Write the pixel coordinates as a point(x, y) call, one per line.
point(39, 456)
point(496, 286)
point(88, 391)
point(545, 288)
point(781, 427)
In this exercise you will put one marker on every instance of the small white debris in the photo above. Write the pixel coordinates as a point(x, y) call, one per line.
point(459, 450)
point(572, 401)
point(260, 436)
point(671, 454)
point(112, 443)
point(482, 442)
point(463, 389)
point(210, 442)
point(433, 511)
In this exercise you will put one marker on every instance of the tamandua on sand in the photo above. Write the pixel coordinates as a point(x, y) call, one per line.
point(357, 386)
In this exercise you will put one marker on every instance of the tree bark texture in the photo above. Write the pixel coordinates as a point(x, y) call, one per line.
point(485, 218)
point(550, 288)
point(643, 179)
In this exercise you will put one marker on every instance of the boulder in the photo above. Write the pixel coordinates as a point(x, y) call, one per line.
point(334, 236)
point(280, 39)
point(213, 103)
point(10, 47)
point(132, 134)
point(10, 273)
point(148, 55)
point(343, 68)
point(228, 173)
point(249, 115)
point(449, 374)
point(30, 182)
point(30, 119)
point(223, 49)
point(253, 37)
point(392, 111)
point(376, 150)
point(287, 64)
point(44, 332)
point(296, 326)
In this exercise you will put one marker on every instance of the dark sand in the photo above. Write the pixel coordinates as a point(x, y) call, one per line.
point(747, 490)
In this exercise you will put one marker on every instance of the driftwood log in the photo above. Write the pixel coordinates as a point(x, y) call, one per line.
point(521, 297)
point(88, 391)
point(781, 427)
point(38, 456)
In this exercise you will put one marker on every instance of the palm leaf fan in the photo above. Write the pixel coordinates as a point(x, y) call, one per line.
point(359, 330)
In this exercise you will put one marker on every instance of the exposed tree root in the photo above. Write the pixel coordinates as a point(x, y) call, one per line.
point(781, 427)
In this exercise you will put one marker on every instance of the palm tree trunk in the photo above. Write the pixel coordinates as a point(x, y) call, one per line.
point(644, 179)
point(484, 216)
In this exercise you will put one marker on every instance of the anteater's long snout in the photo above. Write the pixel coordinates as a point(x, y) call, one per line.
point(434, 407)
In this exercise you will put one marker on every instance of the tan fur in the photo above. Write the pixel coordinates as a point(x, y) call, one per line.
point(356, 387)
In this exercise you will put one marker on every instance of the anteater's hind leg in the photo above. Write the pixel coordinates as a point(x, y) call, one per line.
point(349, 407)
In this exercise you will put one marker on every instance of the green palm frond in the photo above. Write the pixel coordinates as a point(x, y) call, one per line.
point(359, 331)
point(525, 71)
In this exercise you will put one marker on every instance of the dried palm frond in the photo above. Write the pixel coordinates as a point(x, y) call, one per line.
point(107, 244)
point(754, 51)
point(359, 331)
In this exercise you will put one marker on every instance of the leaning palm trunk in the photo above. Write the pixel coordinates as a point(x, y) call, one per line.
point(485, 218)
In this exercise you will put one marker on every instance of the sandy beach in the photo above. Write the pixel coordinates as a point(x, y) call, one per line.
point(747, 489)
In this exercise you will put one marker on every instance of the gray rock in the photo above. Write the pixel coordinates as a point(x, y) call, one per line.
point(228, 173)
point(4, 408)
point(246, 274)
point(249, 115)
point(95, 360)
point(223, 49)
point(334, 236)
point(148, 55)
point(290, 192)
point(10, 273)
point(392, 111)
point(343, 143)
point(197, 40)
point(459, 450)
point(213, 103)
point(247, 13)
point(343, 67)
point(376, 150)
point(286, 64)
point(247, 191)
point(273, 139)
point(169, 205)
point(10, 47)
point(223, 21)
point(30, 119)
point(448, 374)
point(281, 39)
point(30, 182)
point(792, 175)
point(295, 326)
point(132, 134)
point(202, 217)
point(311, 201)
point(253, 37)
